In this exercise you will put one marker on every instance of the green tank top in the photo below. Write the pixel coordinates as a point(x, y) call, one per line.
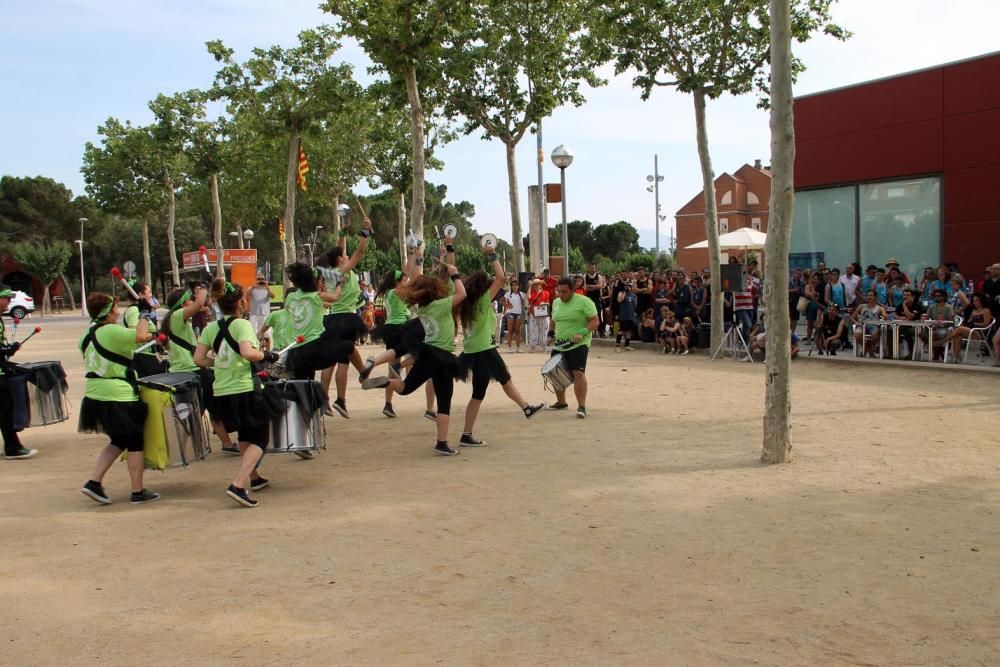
point(397, 311)
point(482, 331)
point(350, 294)
point(181, 361)
point(305, 310)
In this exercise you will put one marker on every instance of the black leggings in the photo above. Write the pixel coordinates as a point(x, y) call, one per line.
point(11, 443)
point(480, 383)
point(444, 384)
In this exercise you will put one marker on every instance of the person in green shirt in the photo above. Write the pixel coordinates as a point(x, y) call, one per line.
point(343, 321)
point(111, 402)
point(12, 448)
point(397, 316)
point(183, 304)
point(479, 356)
point(145, 362)
point(433, 354)
point(234, 404)
point(320, 348)
point(574, 321)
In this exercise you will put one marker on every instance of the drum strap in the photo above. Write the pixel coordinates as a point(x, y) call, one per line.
point(113, 357)
point(224, 334)
point(180, 342)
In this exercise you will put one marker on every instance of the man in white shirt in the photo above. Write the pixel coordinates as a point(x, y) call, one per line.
point(850, 281)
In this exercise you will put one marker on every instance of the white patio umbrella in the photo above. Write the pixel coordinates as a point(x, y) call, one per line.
point(745, 238)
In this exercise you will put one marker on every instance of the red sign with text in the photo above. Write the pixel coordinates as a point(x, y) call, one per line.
point(229, 256)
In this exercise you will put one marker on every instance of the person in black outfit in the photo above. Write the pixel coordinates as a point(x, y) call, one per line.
point(991, 288)
point(12, 448)
point(593, 285)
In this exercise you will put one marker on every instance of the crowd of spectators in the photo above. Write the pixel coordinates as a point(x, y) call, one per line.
point(839, 309)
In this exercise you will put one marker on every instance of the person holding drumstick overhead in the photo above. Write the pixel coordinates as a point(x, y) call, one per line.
point(574, 321)
point(479, 357)
point(111, 402)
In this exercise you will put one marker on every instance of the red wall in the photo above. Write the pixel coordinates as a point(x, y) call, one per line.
point(943, 121)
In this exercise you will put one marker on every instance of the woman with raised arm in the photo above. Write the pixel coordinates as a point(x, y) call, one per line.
point(433, 354)
point(479, 357)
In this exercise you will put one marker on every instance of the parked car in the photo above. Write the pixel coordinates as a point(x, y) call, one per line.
point(20, 305)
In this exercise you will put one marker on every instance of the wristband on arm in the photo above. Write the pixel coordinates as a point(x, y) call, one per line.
point(450, 248)
point(455, 277)
point(365, 233)
point(492, 258)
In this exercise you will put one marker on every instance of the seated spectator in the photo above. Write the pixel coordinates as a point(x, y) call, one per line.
point(672, 335)
point(909, 310)
point(830, 331)
point(958, 299)
point(758, 339)
point(939, 311)
point(979, 318)
point(866, 317)
point(647, 327)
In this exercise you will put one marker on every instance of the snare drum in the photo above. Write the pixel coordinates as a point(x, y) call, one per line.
point(300, 427)
point(556, 376)
point(46, 392)
point(176, 433)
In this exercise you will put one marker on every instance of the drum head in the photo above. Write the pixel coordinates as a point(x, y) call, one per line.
point(451, 230)
point(167, 380)
point(489, 240)
point(553, 363)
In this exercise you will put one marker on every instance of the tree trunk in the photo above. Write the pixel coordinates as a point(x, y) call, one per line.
point(148, 268)
point(69, 292)
point(401, 218)
point(417, 204)
point(46, 306)
point(515, 206)
point(213, 184)
point(778, 401)
point(711, 217)
point(239, 237)
point(171, 220)
point(290, 186)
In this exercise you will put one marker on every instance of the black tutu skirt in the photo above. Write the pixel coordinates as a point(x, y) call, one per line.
point(435, 360)
point(115, 418)
point(486, 363)
point(318, 354)
point(345, 326)
point(239, 411)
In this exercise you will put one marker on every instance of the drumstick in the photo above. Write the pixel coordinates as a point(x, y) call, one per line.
point(204, 259)
point(119, 277)
point(28, 337)
point(363, 212)
point(160, 338)
point(281, 353)
point(13, 334)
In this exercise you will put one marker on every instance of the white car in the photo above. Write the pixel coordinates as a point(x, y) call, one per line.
point(20, 305)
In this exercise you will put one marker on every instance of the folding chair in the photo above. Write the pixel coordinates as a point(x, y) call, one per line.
point(983, 341)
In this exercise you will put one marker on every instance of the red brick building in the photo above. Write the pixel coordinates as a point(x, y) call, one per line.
point(742, 201)
point(904, 167)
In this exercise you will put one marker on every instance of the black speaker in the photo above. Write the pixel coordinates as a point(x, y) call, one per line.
point(524, 280)
point(733, 278)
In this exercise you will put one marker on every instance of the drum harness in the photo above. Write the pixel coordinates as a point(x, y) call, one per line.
point(113, 357)
point(270, 402)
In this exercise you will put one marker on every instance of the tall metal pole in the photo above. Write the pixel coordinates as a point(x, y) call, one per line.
point(543, 223)
point(562, 177)
point(83, 285)
point(656, 188)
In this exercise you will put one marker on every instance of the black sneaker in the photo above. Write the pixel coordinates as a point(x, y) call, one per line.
point(444, 449)
point(144, 496)
point(232, 450)
point(96, 492)
point(305, 454)
point(366, 370)
point(388, 411)
point(469, 440)
point(259, 483)
point(430, 414)
point(532, 410)
point(374, 383)
point(21, 453)
point(581, 412)
point(341, 407)
point(558, 406)
point(241, 496)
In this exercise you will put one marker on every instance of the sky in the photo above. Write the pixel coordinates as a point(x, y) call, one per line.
point(67, 65)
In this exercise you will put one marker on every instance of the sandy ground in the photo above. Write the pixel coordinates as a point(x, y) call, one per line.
point(647, 534)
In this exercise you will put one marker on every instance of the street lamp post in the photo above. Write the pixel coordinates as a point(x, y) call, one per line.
point(562, 157)
point(656, 179)
point(342, 212)
point(83, 285)
point(235, 235)
point(248, 236)
point(310, 248)
point(315, 234)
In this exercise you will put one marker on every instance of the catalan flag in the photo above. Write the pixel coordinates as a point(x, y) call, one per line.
point(303, 170)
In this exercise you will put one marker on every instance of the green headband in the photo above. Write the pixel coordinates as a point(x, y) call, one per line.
point(184, 297)
point(230, 288)
point(104, 311)
point(399, 275)
point(6, 293)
